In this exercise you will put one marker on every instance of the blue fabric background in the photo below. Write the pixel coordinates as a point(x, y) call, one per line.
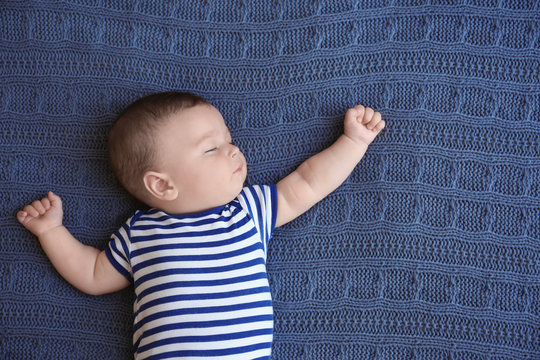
point(430, 250)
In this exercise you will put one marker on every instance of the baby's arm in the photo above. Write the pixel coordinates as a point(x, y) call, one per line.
point(323, 173)
point(85, 267)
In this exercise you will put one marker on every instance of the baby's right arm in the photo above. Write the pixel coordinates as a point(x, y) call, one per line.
point(84, 267)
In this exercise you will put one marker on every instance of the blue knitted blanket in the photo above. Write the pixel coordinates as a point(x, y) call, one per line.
point(431, 248)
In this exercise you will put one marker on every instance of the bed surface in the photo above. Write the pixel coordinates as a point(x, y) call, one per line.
point(431, 248)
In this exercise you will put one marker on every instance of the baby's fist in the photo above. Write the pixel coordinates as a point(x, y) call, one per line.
point(363, 124)
point(42, 215)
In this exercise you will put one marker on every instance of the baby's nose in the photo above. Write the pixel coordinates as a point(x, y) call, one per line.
point(234, 151)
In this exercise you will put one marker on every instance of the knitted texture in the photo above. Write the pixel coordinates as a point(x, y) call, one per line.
point(430, 249)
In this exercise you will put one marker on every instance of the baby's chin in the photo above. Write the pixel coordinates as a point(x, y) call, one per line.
point(236, 193)
point(229, 196)
point(233, 190)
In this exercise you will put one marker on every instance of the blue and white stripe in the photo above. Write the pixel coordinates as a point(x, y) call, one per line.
point(200, 279)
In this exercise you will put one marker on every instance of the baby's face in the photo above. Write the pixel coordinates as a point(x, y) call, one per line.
point(195, 149)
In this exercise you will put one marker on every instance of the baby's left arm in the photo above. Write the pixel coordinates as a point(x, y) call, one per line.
point(323, 173)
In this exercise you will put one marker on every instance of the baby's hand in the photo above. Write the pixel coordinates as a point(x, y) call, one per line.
point(363, 124)
point(42, 215)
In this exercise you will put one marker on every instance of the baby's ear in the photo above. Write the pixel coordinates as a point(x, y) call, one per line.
point(160, 186)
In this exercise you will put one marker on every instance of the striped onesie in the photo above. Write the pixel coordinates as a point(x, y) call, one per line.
point(200, 279)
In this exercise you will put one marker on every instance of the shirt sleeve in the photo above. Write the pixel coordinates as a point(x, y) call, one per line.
point(118, 250)
point(260, 201)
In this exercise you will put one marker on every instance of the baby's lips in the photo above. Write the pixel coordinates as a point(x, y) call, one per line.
point(239, 168)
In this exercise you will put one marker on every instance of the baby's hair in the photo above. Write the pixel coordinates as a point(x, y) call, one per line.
point(131, 140)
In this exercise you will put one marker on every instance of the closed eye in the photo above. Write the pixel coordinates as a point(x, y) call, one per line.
point(211, 150)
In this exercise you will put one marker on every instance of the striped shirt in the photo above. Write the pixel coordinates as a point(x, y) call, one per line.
point(200, 279)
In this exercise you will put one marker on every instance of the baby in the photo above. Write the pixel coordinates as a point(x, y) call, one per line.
point(197, 257)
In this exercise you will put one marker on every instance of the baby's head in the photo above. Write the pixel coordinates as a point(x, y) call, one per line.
point(174, 152)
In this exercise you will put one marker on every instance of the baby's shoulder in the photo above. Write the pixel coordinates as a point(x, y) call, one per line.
point(138, 215)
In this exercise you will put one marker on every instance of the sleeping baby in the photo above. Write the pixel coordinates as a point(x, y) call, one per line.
point(197, 256)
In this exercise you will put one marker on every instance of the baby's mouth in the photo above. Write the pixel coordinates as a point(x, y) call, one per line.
point(239, 168)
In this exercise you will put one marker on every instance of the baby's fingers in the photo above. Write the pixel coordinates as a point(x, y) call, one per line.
point(375, 121)
point(354, 114)
point(368, 116)
point(359, 109)
point(55, 200)
point(21, 216)
point(31, 211)
point(380, 126)
point(41, 206)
